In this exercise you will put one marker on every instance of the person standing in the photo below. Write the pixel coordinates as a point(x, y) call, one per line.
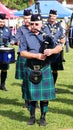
point(20, 63)
point(57, 34)
point(5, 38)
point(38, 81)
point(23, 29)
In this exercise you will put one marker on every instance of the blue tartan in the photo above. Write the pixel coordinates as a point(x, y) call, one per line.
point(20, 67)
point(45, 90)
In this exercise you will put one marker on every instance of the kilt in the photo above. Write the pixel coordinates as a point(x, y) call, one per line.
point(58, 64)
point(4, 66)
point(20, 67)
point(45, 90)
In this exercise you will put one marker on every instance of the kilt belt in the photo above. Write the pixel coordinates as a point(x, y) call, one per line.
point(36, 64)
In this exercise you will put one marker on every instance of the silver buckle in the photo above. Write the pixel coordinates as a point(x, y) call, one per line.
point(36, 67)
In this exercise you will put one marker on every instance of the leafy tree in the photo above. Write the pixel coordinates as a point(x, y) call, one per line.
point(16, 4)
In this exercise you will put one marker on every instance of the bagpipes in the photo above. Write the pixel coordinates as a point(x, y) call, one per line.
point(47, 43)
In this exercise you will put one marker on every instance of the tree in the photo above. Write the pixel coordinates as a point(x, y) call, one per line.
point(16, 4)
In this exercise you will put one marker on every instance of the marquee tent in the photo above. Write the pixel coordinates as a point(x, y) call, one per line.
point(9, 13)
point(46, 6)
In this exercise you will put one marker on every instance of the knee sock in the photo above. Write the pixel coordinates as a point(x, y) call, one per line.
point(55, 75)
point(3, 77)
point(43, 107)
point(31, 107)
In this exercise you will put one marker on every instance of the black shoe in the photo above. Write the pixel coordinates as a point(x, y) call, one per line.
point(3, 88)
point(42, 122)
point(31, 121)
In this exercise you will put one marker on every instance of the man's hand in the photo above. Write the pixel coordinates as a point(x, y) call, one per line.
point(41, 56)
point(48, 52)
point(55, 50)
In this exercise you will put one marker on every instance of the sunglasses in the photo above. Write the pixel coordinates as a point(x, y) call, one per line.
point(36, 24)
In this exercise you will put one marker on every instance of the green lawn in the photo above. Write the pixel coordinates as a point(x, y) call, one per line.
point(14, 117)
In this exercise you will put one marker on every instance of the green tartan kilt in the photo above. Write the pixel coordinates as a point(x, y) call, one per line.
point(20, 67)
point(4, 66)
point(45, 90)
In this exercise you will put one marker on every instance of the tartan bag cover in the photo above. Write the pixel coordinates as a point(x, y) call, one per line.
point(44, 90)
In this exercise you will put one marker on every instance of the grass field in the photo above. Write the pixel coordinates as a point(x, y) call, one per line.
point(60, 116)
